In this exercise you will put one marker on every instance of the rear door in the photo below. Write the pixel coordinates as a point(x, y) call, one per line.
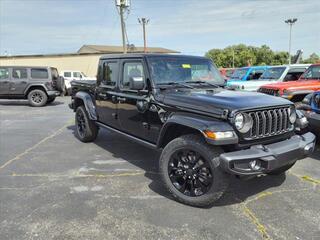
point(106, 103)
point(4, 80)
point(19, 81)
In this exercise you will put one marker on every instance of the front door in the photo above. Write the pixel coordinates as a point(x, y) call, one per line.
point(19, 81)
point(132, 120)
point(4, 81)
point(106, 103)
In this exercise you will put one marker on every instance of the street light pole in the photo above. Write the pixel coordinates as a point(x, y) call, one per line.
point(123, 5)
point(144, 22)
point(290, 22)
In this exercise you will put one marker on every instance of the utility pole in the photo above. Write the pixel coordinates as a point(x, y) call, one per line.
point(144, 22)
point(123, 5)
point(290, 22)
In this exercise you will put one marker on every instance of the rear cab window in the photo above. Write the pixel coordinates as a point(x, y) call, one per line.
point(39, 73)
point(109, 73)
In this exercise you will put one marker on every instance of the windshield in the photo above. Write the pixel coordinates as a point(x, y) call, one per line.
point(239, 73)
point(312, 73)
point(169, 69)
point(273, 73)
point(83, 75)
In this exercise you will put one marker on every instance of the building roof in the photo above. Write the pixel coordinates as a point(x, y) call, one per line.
point(119, 49)
point(96, 50)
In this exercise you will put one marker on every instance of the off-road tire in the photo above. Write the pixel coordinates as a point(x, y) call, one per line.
point(281, 170)
point(210, 154)
point(37, 98)
point(51, 99)
point(86, 129)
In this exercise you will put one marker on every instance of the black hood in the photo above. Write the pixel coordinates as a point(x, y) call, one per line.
point(217, 100)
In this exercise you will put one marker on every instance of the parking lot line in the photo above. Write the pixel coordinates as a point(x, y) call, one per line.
point(125, 174)
point(35, 146)
point(306, 178)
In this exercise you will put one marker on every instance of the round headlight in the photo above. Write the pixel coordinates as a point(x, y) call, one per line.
point(239, 121)
point(243, 122)
point(292, 115)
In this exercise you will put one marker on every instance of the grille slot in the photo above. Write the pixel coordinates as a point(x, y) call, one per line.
point(269, 122)
point(269, 91)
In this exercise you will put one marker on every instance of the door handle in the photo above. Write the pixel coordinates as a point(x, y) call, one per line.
point(6, 82)
point(23, 82)
point(121, 99)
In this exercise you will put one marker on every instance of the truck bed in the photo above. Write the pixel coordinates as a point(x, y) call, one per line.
point(83, 85)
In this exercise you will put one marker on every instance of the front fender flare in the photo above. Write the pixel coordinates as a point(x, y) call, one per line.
point(198, 123)
point(88, 103)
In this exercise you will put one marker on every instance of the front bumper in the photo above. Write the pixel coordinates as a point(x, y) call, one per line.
point(53, 93)
point(268, 157)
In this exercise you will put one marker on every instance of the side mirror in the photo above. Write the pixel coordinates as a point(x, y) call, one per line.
point(80, 76)
point(136, 83)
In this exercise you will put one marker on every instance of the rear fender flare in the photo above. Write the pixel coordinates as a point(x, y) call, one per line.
point(87, 102)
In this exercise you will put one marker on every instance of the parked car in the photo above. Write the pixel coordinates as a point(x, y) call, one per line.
point(205, 133)
point(70, 75)
point(246, 74)
point(227, 72)
point(296, 90)
point(311, 108)
point(273, 74)
point(40, 85)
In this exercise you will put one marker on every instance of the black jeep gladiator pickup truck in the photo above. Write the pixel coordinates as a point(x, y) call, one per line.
point(176, 104)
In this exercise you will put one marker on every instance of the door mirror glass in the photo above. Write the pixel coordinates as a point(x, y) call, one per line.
point(136, 83)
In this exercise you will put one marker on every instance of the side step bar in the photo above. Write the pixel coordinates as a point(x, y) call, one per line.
point(143, 142)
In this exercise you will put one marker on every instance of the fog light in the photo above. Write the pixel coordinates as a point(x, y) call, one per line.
point(255, 165)
point(309, 148)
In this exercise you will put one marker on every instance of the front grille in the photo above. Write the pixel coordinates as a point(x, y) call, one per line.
point(269, 122)
point(269, 91)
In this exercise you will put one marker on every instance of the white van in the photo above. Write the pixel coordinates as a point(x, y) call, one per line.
point(70, 75)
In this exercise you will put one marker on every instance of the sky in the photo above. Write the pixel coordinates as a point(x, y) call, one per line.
point(189, 26)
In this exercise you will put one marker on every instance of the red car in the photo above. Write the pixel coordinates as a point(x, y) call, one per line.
point(296, 90)
point(226, 72)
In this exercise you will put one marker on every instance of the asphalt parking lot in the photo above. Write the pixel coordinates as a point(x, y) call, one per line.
point(52, 186)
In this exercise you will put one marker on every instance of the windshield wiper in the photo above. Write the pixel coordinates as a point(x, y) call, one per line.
point(176, 84)
point(204, 82)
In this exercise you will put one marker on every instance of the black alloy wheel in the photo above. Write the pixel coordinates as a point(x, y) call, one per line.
point(86, 129)
point(190, 170)
point(81, 124)
point(190, 173)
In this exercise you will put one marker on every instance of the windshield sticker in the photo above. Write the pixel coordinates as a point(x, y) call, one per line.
point(186, 66)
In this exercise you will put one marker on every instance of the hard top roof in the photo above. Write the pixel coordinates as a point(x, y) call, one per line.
point(141, 55)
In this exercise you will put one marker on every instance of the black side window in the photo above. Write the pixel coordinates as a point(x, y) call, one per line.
point(39, 73)
point(19, 73)
point(131, 70)
point(67, 74)
point(4, 73)
point(110, 73)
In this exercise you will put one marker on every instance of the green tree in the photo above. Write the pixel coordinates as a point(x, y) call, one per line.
point(313, 58)
point(243, 55)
